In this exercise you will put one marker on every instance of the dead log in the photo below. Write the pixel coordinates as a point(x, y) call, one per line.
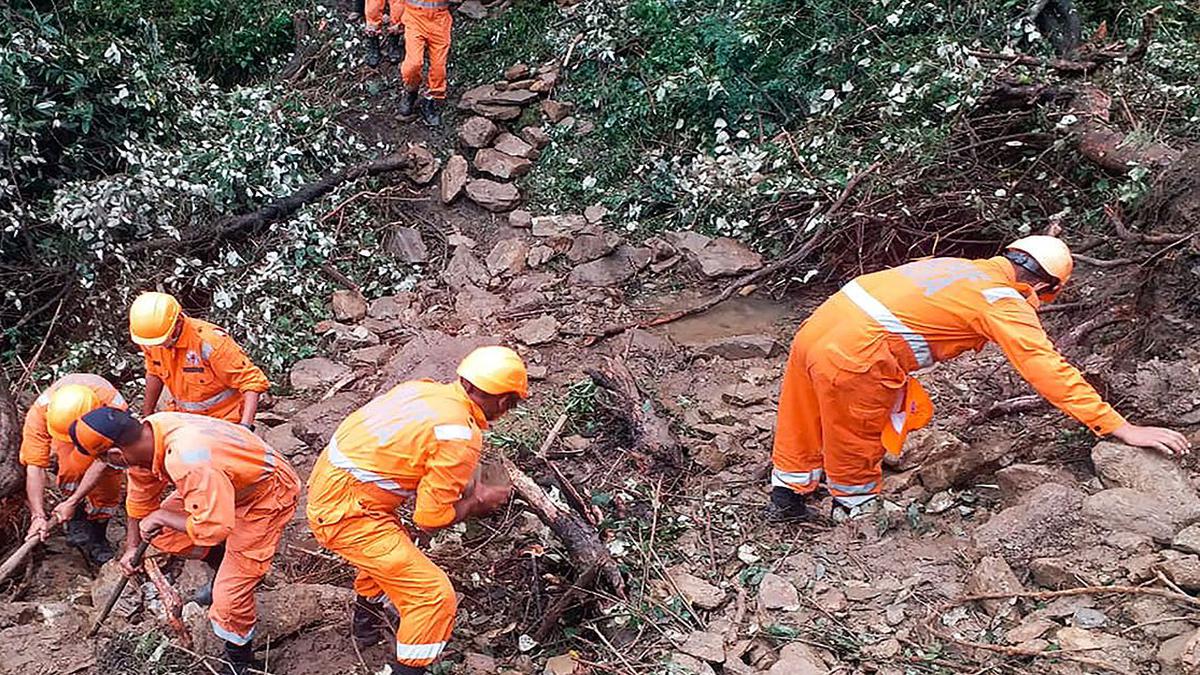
point(1109, 148)
point(12, 478)
point(651, 432)
point(581, 539)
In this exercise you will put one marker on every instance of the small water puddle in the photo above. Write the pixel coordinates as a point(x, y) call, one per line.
point(736, 316)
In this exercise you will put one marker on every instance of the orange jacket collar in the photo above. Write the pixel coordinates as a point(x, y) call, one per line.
point(1010, 273)
point(476, 411)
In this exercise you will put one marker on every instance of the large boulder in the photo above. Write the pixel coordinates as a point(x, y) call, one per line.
point(1046, 523)
point(1016, 480)
point(1148, 471)
point(993, 576)
point(611, 270)
point(960, 468)
point(493, 196)
point(477, 132)
point(282, 612)
point(283, 439)
point(315, 424)
point(317, 374)
point(1124, 510)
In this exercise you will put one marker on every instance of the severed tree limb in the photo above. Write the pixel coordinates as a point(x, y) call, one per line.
point(280, 209)
point(1011, 406)
point(581, 539)
point(1115, 217)
point(652, 433)
point(171, 602)
point(814, 240)
point(1109, 148)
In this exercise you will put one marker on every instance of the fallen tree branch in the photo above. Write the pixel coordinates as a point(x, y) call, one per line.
point(1103, 263)
point(172, 604)
point(1061, 654)
point(651, 432)
point(814, 240)
point(1113, 212)
point(564, 602)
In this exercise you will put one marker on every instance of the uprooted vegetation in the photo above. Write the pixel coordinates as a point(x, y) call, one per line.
point(848, 135)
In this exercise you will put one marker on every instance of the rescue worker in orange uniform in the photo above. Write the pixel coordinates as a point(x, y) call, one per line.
point(847, 394)
point(205, 370)
point(93, 488)
point(419, 441)
point(233, 497)
point(391, 36)
point(427, 25)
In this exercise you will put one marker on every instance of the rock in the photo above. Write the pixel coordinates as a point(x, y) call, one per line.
point(1127, 510)
point(477, 132)
point(473, 9)
point(493, 196)
point(390, 306)
point(284, 611)
point(707, 646)
point(744, 394)
point(1088, 618)
point(685, 664)
point(346, 336)
point(775, 592)
point(475, 663)
point(349, 306)
point(1171, 652)
point(1072, 639)
point(106, 584)
point(1149, 471)
point(517, 71)
point(454, 178)
point(537, 331)
point(317, 374)
point(696, 590)
point(563, 664)
point(993, 575)
point(426, 166)
point(536, 136)
point(1187, 540)
point(1018, 479)
point(1054, 573)
point(370, 356)
point(738, 347)
point(883, 650)
point(501, 165)
point(592, 244)
point(511, 145)
point(1184, 571)
point(544, 82)
point(611, 270)
point(499, 112)
point(536, 371)
point(687, 241)
point(520, 219)
point(472, 303)
point(1031, 629)
point(797, 658)
point(405, 243)
point(508, 257)
point(464, 269)
point(555, 111)
point(961, 467)
point(1046, 523)
point(940, 503)
point(1152, 614)
point(283, 439)
point(595, 213)
point(431, 354)
point(724, 257)
point(927, 445)
point(559, 228)
point(315, 424)
point(540, 255)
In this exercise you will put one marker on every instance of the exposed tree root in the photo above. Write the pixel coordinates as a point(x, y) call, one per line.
point(651, 432)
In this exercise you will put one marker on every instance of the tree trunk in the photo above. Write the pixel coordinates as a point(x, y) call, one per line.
point(12, 478)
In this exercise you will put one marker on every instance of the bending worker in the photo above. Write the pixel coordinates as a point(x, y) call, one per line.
point(93, 488)
point(421, 441)
point(427, 25)
point(234, 495)
point(206, 371)
point(847, 394)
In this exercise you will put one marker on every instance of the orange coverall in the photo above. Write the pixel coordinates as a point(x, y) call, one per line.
point(426, 27)
point(374, 15)
point(37, 446)
point(421, 440)
point(206, 371)
point(847, 394)
point(234, 488)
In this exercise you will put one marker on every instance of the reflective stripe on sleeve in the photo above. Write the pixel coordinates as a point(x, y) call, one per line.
point(438, 4)
point(992, 295)
point(453, 432)
point(413, 652)
point(196, 455)
point(344, 463)
point(884, 317)
point(197, 406)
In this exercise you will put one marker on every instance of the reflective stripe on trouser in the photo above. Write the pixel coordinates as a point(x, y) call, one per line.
point(247, 558)
point(105, 498)
point(389, 562)
point(830, 422)
point(426, 30)
point(373, 13)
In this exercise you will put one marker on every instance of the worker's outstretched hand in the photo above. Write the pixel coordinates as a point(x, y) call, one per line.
point(1164, 440)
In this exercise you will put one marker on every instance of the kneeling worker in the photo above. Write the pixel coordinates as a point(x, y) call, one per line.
point(847, 395)
point(234, 495)
point(421, 440)
point(93, 488)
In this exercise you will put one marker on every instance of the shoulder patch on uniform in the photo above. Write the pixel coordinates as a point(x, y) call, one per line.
point(453, 432)
point(993, 295)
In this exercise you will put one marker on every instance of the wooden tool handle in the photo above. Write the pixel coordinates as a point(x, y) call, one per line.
point(14, 561)
point(116, 594)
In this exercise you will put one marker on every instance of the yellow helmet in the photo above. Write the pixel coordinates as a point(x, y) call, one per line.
point(152, 318)
point(1051, 255)
point(67, 404)
point(495, 370)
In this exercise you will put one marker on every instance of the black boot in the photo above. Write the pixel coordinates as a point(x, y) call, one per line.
point(97, 549)
point(204, 595)
point(367, 624)
point(408, 104)
point(79, 532)
point(401, 669)
point(392, 47)
point(372, 57)
point(787, 506)
point(241, 658)
point(431, 112)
